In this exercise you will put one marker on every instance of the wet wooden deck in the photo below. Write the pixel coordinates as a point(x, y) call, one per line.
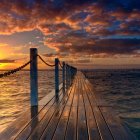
point(76, 115)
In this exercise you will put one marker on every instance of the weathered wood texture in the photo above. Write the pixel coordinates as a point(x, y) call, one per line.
point(76, 115)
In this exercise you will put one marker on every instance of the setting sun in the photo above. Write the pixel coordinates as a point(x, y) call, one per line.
point(3, 66)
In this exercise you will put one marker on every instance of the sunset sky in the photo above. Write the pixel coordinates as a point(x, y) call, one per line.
point(85, 33)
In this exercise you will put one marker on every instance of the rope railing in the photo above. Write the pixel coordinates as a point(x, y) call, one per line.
point(68, 73)
point(60, 65)
point(14, 70)
point(50, 65)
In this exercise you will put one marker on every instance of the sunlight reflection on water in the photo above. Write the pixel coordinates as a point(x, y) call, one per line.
point(15, 94)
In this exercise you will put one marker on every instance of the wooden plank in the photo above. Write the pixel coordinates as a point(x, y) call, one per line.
point(37, 133)
point(76, 115)
point(22, 121)
point(99, 100)
point(104, 131)
point(117, 130)
point(115, 125)
point(70, 133)
point(71, 127)
point(91, 123)
point(50, 95)
point(24, 134)
point(50, 129)
point(61, 127)
point(82, 133)
point(18, 125)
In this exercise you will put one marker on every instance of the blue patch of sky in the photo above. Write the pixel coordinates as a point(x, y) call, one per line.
point(30, 2)
point(127, 5)
point(120, 37)
point(134, 28)
point(17, 16)
point(115, 26)
point(80, 15)
point(58, 3)
point(83, 24)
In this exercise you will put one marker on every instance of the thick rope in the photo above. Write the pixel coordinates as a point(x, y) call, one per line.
point(14, 70)
point(60, 65)
point(45, 61)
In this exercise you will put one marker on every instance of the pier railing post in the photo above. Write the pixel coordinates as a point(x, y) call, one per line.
point(69, 75)
point(33, 77)
point(66, 76)
point(56, 77)
point(63, 71)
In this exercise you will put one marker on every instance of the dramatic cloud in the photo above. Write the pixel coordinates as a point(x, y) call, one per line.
point(98, 46)
point(7, 61)
point(77, 26)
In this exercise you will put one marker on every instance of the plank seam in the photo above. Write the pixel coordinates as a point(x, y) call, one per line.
point(54, 113)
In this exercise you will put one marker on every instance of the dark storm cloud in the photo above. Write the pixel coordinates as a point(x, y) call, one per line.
point(117, 46)
point(126, 5)
point(87, 45)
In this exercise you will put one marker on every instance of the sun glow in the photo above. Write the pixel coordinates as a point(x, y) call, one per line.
point(5, 51)
point(3, 66)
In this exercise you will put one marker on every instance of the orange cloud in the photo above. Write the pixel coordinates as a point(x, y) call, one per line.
point(73, 27)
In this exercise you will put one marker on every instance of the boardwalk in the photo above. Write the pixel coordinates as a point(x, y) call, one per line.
point(76, 115)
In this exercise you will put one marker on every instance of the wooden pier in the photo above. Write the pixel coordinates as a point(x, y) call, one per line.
point(75, 115)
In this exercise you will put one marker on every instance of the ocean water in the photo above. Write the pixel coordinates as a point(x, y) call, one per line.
point(121, 89)
point(15, 93)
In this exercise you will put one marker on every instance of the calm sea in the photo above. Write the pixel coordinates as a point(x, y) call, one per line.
point(119, 88)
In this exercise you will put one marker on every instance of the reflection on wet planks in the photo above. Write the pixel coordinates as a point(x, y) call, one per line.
point(75, 115)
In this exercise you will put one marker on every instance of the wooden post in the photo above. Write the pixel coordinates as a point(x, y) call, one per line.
point(33, 77)
point(64, 76)
point(69, 75)
point(56, 77)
